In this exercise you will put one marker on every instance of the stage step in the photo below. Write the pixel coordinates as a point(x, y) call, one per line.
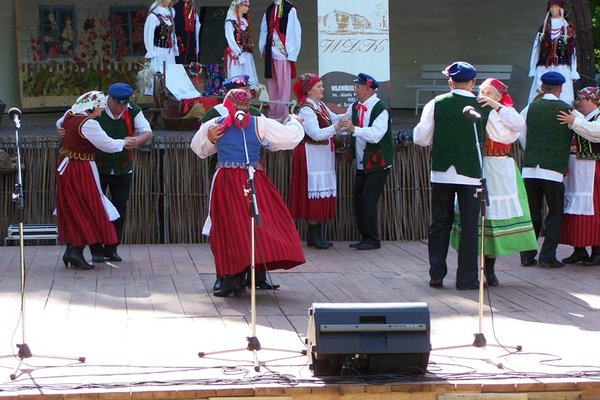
point(33, 232)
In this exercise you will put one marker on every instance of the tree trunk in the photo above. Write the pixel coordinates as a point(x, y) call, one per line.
point(580, 16)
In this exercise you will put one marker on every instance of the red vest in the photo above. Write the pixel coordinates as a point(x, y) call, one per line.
point(74, 145)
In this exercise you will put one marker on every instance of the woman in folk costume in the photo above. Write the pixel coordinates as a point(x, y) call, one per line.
point(187, 31)
point(554, 50)
point(313, 182)
point(238, 32)
point(159, 37)
point(277, 244)
point(83, 213)
point(508, 227)
point(581, 219)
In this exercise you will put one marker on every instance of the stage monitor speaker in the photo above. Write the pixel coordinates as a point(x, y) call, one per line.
point(368, 338)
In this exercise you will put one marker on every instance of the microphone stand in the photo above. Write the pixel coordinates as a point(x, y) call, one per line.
point(18, 198)
point(482, 193)
point(253, 342)
point(484, 201)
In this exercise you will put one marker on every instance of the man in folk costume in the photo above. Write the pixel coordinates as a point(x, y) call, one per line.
point(220, 110)
point(279, 44)
point(120, 119)
point(547, 144)
point(581, 219)
point(187, 31)
point(373, 148)
point(455, 172)
point(234, 139)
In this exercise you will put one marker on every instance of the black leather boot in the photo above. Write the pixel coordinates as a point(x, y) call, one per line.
point(67, 255)
point(594, 259)
point(97, 250)
point(218, 284)
point(231, 285)
point(322, 236)
point(579, 254)
point(490, 273)
point(314, 238)
point(76, 259)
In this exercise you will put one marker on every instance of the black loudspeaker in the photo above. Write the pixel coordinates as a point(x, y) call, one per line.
point(368, 338)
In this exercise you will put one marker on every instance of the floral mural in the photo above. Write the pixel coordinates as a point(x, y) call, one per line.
point(103, 53)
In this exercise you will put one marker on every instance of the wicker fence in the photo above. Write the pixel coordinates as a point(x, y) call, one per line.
point(170, 192)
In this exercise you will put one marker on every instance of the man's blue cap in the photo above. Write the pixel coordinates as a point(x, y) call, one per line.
point(553, 79)
point(368, 80)
point(236, 82)
point(460, 71)
point(120, 92)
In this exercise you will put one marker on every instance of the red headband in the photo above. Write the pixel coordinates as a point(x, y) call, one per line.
point(303, 84)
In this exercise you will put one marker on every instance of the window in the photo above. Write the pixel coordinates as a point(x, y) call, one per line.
point(57, 30)
point(127, 30)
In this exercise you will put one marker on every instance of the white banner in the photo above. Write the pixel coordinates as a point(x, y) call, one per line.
point(353, 37)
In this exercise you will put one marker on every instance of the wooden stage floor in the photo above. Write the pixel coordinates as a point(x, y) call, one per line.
point(141, 323)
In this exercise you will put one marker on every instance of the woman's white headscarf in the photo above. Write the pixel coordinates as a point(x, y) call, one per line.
point(89, 101)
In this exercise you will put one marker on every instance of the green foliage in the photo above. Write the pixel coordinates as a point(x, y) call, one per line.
point(595, 8)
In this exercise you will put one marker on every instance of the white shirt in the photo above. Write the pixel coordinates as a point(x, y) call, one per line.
point(368, 134)
point(272, 134)
point(150, 25)
point(311, 123)
point(92, 131)
point(293, 36)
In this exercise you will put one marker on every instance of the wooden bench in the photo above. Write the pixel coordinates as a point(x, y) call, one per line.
point(435, 81)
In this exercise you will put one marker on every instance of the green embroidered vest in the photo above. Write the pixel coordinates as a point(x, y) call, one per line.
point(378, 155)
point(548, 143)
point(453, 136)
point(122, 162)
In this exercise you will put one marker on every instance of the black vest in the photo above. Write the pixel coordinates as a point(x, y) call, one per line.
point(587, 150)
point(283, 21)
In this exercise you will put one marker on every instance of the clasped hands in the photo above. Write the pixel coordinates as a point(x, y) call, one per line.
point(344, 125)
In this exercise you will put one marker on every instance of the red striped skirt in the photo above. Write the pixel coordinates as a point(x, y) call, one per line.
point(583, 230)
point(277, 243)
point(300, 205)
point(80, 215)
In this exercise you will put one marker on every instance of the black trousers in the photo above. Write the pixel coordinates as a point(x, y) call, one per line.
point(554, 194)
point(117, 188)
point(367, 191)
point(442, 216)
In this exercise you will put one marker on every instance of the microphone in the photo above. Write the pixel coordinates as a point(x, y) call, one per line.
point(15, 114)
point(240, 115)
point(469, 111)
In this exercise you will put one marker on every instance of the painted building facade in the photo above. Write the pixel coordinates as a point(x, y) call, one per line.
point(56, 50)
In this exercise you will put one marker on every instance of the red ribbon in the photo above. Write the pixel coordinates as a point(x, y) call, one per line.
point(361, 114)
